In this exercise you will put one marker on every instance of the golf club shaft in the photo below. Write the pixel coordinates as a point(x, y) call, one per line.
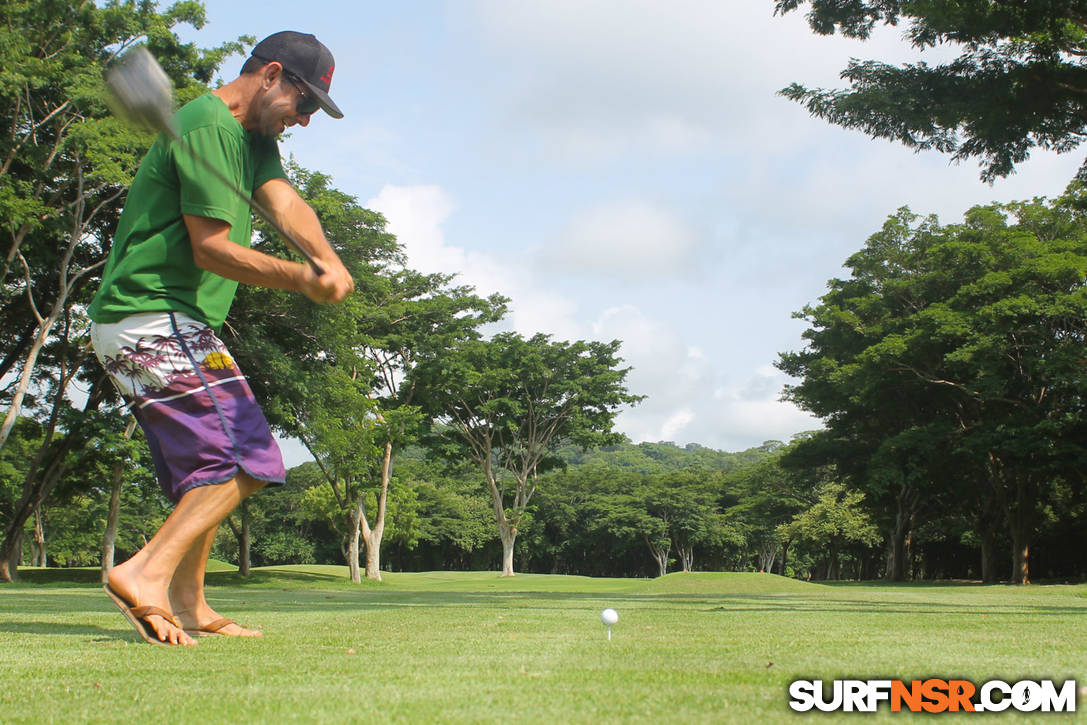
point(253, 204)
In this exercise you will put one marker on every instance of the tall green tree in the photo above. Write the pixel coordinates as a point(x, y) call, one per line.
point(437, 517)
point(1019, 81)
point(953, 356)
point(305, 361)
point(507, 404)
point(836, 520)
point(338, 377)
point(767, 495)
point(65, 161)
point(411, 317)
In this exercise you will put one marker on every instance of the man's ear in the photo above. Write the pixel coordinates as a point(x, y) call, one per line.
point(270, 75)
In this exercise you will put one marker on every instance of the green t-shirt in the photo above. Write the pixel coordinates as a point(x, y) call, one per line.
point(151, 268)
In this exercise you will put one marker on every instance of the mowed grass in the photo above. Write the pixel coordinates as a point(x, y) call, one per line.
point(477, 648)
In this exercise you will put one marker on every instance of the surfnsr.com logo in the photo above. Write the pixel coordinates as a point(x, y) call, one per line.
point(932, 695)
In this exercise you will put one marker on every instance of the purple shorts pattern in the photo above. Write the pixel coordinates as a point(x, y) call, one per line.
point(200, 418)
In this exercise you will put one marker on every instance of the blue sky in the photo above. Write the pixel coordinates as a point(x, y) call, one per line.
point(622, 169)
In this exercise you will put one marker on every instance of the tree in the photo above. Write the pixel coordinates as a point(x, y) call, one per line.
point(953, 356)
point(338, 377)
point(508, 403)
point(1019, 82)
point(117, 480)
point(65, 161)
point(767, 495)
point(49, 464)
point(437, 518)
point(836, 519)
point(636, 514)
point(691, 498)
point(412, 317)
point(305, 361)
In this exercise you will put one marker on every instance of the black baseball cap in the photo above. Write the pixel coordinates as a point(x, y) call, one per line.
point(305, 58)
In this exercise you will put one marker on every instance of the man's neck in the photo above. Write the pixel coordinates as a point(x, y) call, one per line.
point(240, 97)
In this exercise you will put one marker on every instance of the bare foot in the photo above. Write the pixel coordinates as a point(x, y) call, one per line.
point(136, 593)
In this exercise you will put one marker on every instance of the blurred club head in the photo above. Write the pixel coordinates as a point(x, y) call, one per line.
point(140, 90)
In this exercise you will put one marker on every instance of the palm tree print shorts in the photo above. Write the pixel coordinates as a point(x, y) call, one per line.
point(195, 407)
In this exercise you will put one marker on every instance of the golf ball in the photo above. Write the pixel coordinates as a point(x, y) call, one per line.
point(609, 617)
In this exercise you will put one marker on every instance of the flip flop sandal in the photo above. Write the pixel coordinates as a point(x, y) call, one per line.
point(212, 629)
point(137, 617)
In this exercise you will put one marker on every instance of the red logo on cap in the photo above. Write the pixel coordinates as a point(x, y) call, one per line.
point(327, 77)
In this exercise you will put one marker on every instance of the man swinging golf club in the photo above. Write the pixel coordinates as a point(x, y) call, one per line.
point(181, 248)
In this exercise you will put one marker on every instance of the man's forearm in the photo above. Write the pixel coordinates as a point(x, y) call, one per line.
point(301, 222)
point(215, 252)
point(298, 218)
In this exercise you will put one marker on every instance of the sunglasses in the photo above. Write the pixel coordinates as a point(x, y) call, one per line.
point(306, 104)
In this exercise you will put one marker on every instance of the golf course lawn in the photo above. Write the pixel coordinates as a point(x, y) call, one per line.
point(477, 648)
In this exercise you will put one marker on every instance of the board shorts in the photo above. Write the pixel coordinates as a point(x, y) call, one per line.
point(195, 407)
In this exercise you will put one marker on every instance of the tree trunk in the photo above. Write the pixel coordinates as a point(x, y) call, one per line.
point(686, 558)
point(28, 371)
point(372, 536)
point(899, 554)
point(354, 517)
point(35, 488)
point(244, 561)
point(1021, 526)
point(833, 566)
point(1021, 556)
point(373, 556)
point(109, 536)
point(9, 566)
point(20, 347)
point(768, 554)
point(784, 557)
point(507, 532)
point(241, 535)
point(662, 562)
point(371, 539)
point(905, 510)
point(660, 555)
point(988, 557)
point(508, 535)
point(1017, 493)
point(39, 558)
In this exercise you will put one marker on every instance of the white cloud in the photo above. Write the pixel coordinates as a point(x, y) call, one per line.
point(630, 240)
point(582, 157)
point(417, 215)
point(600, 80)
point(676, 426)
point(690, 398)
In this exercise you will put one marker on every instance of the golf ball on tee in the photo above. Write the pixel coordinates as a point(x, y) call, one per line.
point(609, 617)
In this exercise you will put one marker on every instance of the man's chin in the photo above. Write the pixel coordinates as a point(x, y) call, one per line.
point(273, 131)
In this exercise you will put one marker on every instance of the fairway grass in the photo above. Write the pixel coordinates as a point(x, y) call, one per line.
point(472, 647)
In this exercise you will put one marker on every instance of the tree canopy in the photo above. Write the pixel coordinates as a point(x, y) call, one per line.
point(1019, 81)
point(949, 367)
point(508, 404)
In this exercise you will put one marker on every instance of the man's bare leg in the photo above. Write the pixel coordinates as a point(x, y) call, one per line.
point(187, 591)
point(145, 578)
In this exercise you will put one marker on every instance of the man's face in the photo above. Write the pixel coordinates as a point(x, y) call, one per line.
point(285, 104)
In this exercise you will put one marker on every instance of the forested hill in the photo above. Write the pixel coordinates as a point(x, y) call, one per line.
point(666, 456)
point(649, 458)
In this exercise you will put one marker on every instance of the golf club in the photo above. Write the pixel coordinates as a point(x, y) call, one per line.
point(142, 93)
